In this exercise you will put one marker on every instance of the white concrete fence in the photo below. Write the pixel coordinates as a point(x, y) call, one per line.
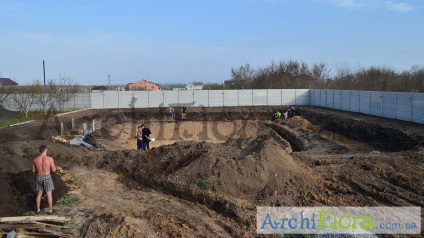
point(402, 106)
point(189, 98)
point(396, 105)
point(199, 98)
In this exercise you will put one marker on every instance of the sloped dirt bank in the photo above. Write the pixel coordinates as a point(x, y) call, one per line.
point(381, 133)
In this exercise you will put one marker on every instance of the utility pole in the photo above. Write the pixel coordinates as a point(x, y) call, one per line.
point(44, 72)
point(109, 80)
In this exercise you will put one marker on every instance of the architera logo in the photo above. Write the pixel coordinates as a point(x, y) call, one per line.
point(338, 220)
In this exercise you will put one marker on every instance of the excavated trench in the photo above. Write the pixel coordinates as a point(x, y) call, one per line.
point(217, 127)
point(374, 133)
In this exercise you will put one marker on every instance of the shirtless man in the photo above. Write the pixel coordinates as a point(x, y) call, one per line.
point(43, 165)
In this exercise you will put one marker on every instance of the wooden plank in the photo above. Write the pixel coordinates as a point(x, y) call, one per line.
point(24, 226)
point(51, 226)
point(33, 234)
point(58, 233)
point(34, 218)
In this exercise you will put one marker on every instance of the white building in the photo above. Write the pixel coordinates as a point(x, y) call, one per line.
point(194, 86)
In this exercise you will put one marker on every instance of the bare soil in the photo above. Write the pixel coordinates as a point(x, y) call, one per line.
point(205, 176)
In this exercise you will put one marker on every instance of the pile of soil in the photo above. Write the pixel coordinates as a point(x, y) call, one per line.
point(18, 193)
point(7, 114)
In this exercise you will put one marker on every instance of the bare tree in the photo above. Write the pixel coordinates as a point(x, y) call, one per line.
point(25, 96)
point(46, 94)
point(242, 76)
point(5, 92)
point(417, 77)
point(320, 71)
point(66, 89)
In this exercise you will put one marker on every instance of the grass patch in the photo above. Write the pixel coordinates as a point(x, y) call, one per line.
point(204, 184)
point(21, 118)
point(31, 213)
point(13, 120)
point(65, 223)
point(69, 200)
point(68, 204)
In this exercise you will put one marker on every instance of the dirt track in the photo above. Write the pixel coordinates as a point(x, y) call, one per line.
point(205, 176)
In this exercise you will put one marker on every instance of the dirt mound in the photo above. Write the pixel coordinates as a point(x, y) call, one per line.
point(218, 175)
point(10, 203)
point(18, 192)
point(11, 162)
point(117, 226)
point(6, 114)
point(228, 168)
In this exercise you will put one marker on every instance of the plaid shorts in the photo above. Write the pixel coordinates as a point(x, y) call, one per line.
point(44, 182)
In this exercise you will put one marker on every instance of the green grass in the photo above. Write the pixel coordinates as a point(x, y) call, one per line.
point(21, 118)
point(69, 200)
point(206, 185)
point(67, 204)
point(66, 207)
point(31, 213)
point(13, 120)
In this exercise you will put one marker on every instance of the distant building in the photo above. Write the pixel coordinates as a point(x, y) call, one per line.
point(8, 82)
point(194, 86)
point(106, 88)
point(99, 88)
point(143, 85)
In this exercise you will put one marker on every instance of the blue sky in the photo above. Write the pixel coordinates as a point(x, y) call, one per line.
point(169, 41)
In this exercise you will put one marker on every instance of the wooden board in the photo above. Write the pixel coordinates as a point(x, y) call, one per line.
point(34, 218)
point(35, 226)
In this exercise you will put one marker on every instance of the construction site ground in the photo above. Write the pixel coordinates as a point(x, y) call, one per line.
point(205, 176)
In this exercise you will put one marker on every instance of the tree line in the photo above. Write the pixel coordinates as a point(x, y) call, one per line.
point(24, 97)
point(294, 74)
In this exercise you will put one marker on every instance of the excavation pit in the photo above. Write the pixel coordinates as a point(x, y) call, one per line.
point(206, 176)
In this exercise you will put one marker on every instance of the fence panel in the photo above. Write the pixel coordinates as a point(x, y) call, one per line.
point(338, 99)
point(288, 96)
point(245, 97)
point(418, 107)
point(403, 106)
point(365, 102)
point(345, 100)
point(77, 101)
point(156, 98)
point(259, 97)
point(274, 97)
point(97, 99)
point(389, 104)
point(312, 97)
point(171, 98)
point(201, 98)
point(110, 99)
point(323, 98)
point(376, 103)
point(329, 99)
point(354, 101)
point(231, 97)
point(301, 97)
point(186, 98)
point(216, 98)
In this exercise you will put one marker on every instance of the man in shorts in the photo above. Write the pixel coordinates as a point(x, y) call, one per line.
point(43, 165)
point(139, 138)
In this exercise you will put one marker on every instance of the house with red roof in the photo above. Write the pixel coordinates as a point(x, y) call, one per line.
point(143, 85)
